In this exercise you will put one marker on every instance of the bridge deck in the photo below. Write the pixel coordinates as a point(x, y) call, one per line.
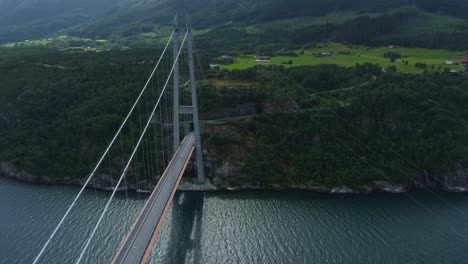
point(138, 244)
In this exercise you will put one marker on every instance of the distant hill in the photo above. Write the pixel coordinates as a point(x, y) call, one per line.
point(246, 24)
point(29, 19)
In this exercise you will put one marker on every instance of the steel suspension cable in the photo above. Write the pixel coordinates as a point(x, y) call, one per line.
point(131, 157)
point(199, 62)
point(155, 135)
point(401, 157)
point(145, 176)
point(382, 173)
point(123, 164)
point(405, 173)
point(137, 180)
point(149, 154)
point(413, 164)
point(102, 157)
point(149, 143)
point(183, 101)
point(381, 156)
point(169, 119)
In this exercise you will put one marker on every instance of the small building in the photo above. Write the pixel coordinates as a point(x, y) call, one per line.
point(325, 54)
point(465, 62)
point(227, 57)
point(263, 58)
point(449, 62)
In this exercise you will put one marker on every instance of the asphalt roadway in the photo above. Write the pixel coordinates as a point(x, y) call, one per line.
point(138, 243)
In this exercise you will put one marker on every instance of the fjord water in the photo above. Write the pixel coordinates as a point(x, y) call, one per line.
point(244, 227)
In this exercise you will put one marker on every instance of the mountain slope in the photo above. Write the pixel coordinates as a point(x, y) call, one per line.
point(209, 13)
point(244, 22)
point(248, 24)
point(28, 19)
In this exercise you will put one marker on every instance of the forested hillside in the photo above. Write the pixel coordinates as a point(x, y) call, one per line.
point(397, 128)
point(246, 24)
point(32, 19)
point(361, 137)
point(61, 98)
point(56, 110)
point(56, 120)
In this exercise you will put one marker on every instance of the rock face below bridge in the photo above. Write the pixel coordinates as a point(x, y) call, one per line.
point(228, 176)
point(187, 185)
point(9, 171)
point(229, 147)
point(456, 182)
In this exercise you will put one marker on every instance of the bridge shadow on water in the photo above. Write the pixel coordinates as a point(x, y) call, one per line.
point(185, 236)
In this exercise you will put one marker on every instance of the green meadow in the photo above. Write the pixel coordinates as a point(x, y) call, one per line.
point(349, 56)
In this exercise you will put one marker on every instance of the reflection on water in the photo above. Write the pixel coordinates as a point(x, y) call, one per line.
point(183, 234)
point(187, 216)
point(302, 227)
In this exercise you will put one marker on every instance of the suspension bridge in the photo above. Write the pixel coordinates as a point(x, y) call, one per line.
point(151, 149)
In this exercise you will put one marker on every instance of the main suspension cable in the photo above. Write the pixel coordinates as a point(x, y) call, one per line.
point(102, 157)
point(131, 157)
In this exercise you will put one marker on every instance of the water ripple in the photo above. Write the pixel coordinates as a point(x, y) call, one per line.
point(289, 227)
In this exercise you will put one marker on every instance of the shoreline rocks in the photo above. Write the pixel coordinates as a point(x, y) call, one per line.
point(103, 182)
point(342, 190)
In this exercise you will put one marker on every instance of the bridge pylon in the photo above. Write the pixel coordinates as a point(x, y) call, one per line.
point(192, 109)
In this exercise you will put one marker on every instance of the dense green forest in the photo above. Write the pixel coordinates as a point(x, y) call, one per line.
point(63, 117)
point(395, 28)
point(62, 96)
point(395, 129)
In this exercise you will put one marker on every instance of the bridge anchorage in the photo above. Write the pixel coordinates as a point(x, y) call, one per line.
point(148, 155)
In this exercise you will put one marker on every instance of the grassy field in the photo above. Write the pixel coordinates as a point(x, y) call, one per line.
point(435, 59)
